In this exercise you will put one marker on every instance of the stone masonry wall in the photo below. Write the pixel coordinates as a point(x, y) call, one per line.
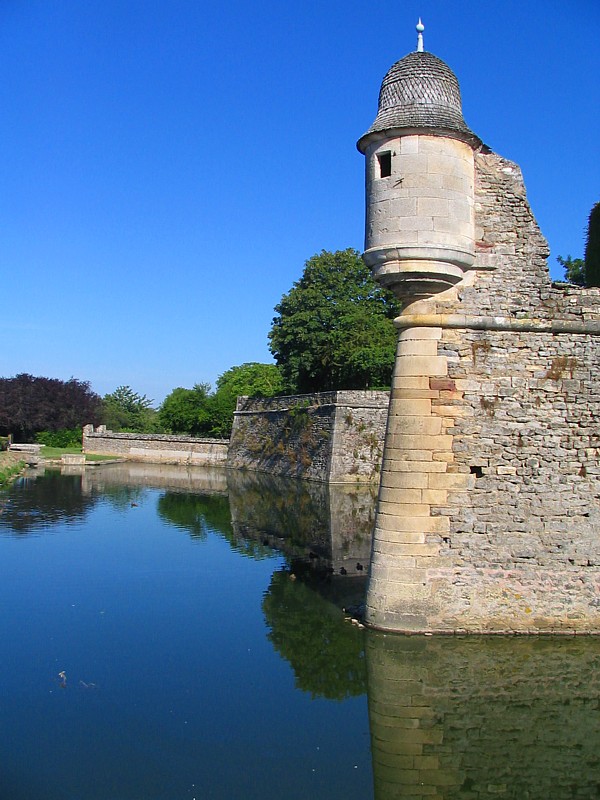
point(155, 447)
point(522, 520)
point(510, 276)
point(331, 436)
point(489, 513)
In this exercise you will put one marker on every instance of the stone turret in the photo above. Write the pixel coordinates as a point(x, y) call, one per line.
point(419, 236)
point(489, 502)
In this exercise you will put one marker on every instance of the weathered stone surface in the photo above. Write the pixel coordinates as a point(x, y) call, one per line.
point(330, 436)
point(508, 412)
point(155, 447)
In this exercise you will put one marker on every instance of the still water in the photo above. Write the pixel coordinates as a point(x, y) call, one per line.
point(195, 616)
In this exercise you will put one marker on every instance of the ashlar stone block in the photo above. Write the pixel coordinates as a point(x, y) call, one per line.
point(414, 407)
point(426, 426)
point(417, 347)
point(423, 365)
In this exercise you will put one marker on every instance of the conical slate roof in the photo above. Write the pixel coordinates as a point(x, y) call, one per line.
point(420, 91)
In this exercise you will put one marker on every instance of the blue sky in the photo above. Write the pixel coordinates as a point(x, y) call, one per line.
point(167, 167)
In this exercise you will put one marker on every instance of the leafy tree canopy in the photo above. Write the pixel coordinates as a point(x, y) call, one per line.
point(198, 412)
point(586, 271)
point(334, 328)
point(574, 269)
point(126, 410)
point(185, 411)
point(251, 379)
point(31, 404)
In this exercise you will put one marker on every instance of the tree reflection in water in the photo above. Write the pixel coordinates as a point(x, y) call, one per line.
point(196, 514)
point(325, 652)
point(40, 501)
point(199, 514)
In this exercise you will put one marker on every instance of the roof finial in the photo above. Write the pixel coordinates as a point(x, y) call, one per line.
point(420, 29)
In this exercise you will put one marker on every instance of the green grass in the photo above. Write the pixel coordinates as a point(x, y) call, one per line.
point(57, 452)
point(10, 471)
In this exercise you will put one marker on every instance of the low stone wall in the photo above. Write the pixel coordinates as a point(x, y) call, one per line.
point(329, 436)
point(158, 448)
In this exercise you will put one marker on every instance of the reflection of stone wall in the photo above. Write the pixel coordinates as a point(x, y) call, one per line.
point(332, 436)
point(481, 717)
point(155, 447)
point(334, 523)
point(206, 480)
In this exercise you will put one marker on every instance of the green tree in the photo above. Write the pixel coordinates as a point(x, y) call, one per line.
point(592, 248)
point(126, 410)
point(251, 379)
point(334, 328)
point(186, 411)
point(198, 412)
point(574, 269)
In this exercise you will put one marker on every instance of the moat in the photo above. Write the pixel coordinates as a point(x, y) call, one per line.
point(176, 633)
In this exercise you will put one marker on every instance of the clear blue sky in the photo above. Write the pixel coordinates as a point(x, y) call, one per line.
point(167, 167)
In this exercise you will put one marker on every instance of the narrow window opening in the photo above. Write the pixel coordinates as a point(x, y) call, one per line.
point(385, 164)
point(477, 471)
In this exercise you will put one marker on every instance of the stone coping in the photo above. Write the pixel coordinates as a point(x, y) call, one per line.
point(464, 321)
point(26, 448)
point(346, 398)
point(155, 437)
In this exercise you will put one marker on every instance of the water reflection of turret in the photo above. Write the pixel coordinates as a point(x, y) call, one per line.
point(479, 717)
point(327, 525)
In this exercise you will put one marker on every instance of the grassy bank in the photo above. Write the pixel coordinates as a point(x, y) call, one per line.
point(10, 466)
point(9, 460)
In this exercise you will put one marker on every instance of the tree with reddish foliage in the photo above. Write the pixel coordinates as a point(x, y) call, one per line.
point(31, 404)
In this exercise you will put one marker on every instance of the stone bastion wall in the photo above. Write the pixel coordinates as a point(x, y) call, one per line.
point(336, 437)
point(329, 436)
